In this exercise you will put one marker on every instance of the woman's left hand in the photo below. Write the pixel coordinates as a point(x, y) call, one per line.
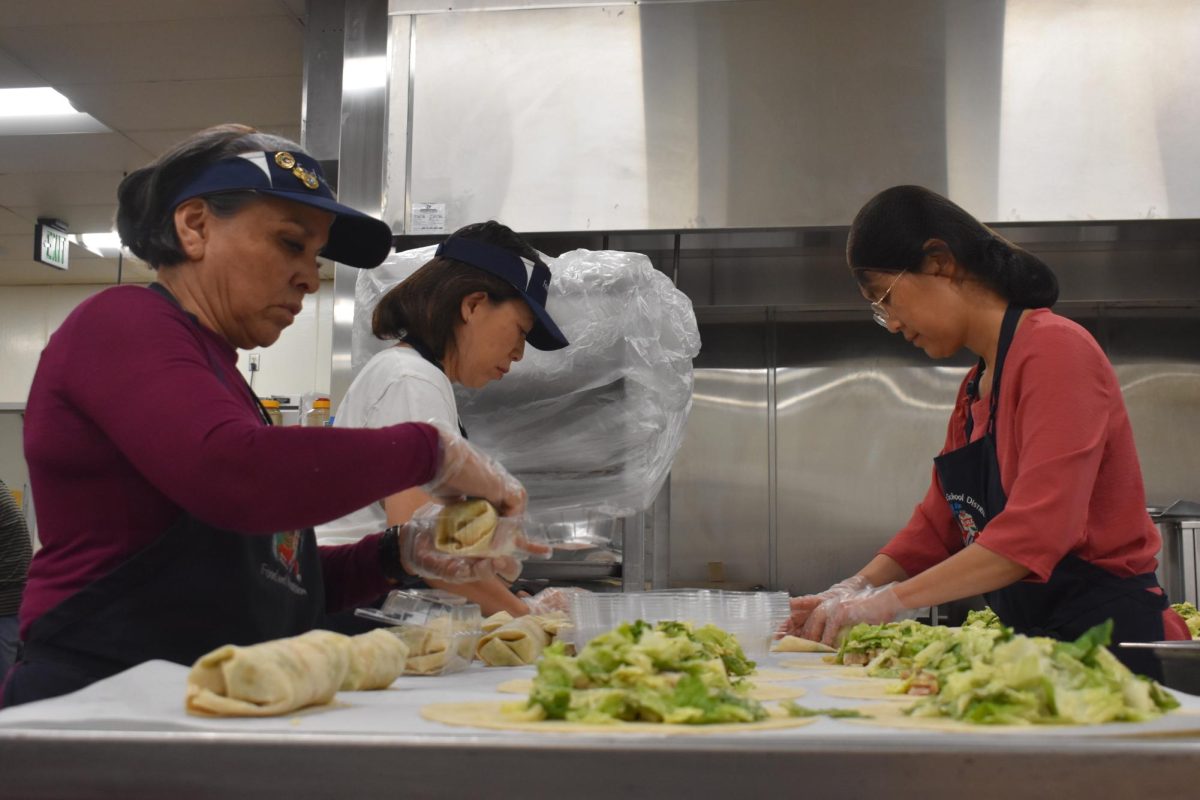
point(872, 605)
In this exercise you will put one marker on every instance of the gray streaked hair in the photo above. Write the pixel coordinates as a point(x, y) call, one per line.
point(146, 224)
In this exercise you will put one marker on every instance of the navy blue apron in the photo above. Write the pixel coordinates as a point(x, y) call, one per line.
point(195, 588)
point(1077, 594)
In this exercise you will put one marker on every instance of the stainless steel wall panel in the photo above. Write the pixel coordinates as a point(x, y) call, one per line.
point(321, 102)
point(364, 124)
point(860, 417)
point(719, 492)
point(781, 113)
point(1156, 354)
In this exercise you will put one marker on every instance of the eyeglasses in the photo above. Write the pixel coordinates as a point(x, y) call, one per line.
point(878, 312)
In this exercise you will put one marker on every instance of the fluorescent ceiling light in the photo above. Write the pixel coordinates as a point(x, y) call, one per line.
point(39, 110)
point(40, 101)
point(364, 73)
point(105, 244)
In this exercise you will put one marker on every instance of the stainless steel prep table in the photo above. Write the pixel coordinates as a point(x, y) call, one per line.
point(72, 747)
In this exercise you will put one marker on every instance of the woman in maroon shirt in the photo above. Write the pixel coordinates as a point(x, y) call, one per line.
point(1039, 449)
point(173, 518)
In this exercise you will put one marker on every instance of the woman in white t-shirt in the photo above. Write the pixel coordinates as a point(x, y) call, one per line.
point(464, 317)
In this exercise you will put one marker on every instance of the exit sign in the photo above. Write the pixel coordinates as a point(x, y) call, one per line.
point(50, 243)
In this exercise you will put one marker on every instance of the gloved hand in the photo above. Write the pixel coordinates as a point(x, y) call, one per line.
point(553, 599)
point(419, 556)
point(805, 606)
point(873, 605)
point(465, 471)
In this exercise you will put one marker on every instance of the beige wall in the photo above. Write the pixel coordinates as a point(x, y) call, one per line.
point(298, 362)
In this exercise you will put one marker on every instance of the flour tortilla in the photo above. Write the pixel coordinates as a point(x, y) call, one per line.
point(760, 693)
point(500, 618)
point(869, 690)
point(891, 715)
point(513, 644)
point(796, 644)
point(376, 660)
point(490, 714)
point(271, 678)
point(768, 675)
point(828, 670)
point(466, 528)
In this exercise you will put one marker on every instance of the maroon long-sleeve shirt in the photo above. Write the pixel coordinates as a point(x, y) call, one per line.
point(137, 413)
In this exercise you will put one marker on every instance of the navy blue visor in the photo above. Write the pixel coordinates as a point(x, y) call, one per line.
point(355, 239)
point(531, 279)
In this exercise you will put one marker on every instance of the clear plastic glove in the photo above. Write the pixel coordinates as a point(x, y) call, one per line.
point(465, 471)
point(873, 605)
point(806, 606)
point(553, 599)
point(419, 556)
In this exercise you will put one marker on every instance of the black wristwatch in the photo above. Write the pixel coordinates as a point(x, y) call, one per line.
point(389, 555)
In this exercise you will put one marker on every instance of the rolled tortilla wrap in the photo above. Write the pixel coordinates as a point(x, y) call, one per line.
point(515, 644)
point(376, 659)
point(271, 678)
point(466, 528)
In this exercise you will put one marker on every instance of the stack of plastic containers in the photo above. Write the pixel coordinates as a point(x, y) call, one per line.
point(753, 617)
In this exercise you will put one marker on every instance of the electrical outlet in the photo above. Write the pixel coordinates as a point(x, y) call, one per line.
point(254, 361)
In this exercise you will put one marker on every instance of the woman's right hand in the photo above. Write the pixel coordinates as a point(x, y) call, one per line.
point(465, 471)
point(806, 607)
point(419, 556)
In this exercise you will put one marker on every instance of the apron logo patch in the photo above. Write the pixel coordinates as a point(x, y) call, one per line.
point(967, 524)
point(966, 520)
point(286, 547)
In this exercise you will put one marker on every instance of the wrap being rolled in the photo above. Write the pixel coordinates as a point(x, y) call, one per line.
point(466, 528)
point(284, 675)
point(513, 644)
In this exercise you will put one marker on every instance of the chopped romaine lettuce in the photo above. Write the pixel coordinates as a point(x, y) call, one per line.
point(667, 672)
point(1191, 616)
point(1033, 680)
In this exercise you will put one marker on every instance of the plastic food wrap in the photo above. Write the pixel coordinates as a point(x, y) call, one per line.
point(441, 637)
point(752, 617)
point(594, 428)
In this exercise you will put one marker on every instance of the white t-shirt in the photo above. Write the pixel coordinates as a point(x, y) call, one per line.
point(396, 385)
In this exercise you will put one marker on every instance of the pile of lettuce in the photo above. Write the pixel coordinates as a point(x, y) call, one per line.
point(1040, 681)
point(669, 672)
point(905, 649)
point(984, 673)
point(1191, 616)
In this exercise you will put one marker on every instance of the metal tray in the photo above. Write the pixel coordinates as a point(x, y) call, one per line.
point(570, 570)
point(1180, 662)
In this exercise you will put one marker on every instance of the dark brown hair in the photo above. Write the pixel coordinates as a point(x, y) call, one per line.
point(428, 303)
point(890, 231)
point(145, 220)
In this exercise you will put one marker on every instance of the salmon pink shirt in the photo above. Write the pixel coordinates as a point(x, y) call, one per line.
point(1067, 464)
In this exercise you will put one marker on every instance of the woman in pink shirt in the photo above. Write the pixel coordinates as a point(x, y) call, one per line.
point(1036, 499)
point(174, 519)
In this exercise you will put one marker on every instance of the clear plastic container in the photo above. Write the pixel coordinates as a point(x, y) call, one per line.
point(271, 406)
point(752, 617)
point(441, 636)
point(519, 537)
point(318, 415)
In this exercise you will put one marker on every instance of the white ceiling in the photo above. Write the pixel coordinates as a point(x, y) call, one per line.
point(153, 71)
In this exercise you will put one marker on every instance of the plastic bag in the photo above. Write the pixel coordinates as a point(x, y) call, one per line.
point(593, 428)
